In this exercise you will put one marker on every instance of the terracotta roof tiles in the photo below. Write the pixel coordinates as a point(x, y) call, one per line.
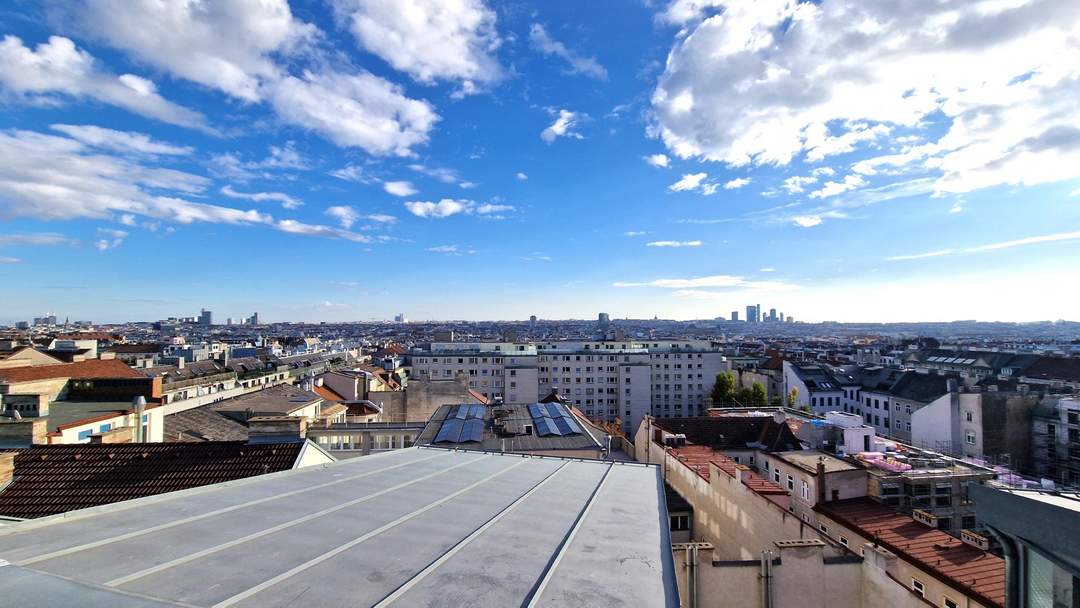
point(95, 368)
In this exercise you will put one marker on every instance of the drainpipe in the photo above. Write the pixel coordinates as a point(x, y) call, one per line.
point(691, 574)
point(766, 579)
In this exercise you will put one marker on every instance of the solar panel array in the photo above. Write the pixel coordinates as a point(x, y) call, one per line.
point(463, 423)
point(553, 419)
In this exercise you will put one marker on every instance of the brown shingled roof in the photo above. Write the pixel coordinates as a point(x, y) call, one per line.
point(970, 569)
point(61, 478)
point(95, 368)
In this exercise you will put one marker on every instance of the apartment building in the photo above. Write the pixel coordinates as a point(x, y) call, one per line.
point(1055, 440)
point(615, 381)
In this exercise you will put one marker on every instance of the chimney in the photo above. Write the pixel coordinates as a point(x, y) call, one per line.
point(23, 433)
point(138, 405)
point(121, 434)
point(741, 470)
point(277, 429)
point(821, 493)
point(7, 467)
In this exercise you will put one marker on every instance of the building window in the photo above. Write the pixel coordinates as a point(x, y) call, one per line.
point(790, 483)
point(776, 475)
point(949, 603)
point(680, 523)
point(918, 587)
point(85, 435)
point(968, 416)
point(969, 437)
point(824, 530)
point(844, 541)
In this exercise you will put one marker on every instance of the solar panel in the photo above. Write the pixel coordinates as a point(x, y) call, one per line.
point(544, 427)
point(450, 431)
point(473, 430)
point(554, 410)
point(534, 411)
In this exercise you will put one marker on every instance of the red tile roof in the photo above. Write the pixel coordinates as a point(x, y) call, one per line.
point(967, 568)
point(328, 393)
point(60, 478)
point(699, 457)
point(482, 399)
point(95, 368)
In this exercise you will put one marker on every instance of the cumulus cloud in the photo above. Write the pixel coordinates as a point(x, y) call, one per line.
point(399, 188)
point(564, 126)
point(522, 176)
point(806, 221)
point(832, 188)
point(355, 110)
point(736, 183)
point(635, 233)
point(579, 64)
point(429, 40)
point(57, 69)
point(352, 173)
point(245, 48)
point(347, 216)
point(770, 81)
point(658, 160)
point(10, 260)
point(796, 183)
point(694, 181)
point(111, 238)
point(296, 227)
point(674, 244)
point(447, 207)
point(286, 201)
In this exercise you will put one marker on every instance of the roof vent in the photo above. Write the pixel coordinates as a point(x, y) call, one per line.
point(975, 539)
point(925, 518)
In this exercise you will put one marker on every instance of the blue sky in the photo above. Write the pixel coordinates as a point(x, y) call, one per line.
point(351, 159)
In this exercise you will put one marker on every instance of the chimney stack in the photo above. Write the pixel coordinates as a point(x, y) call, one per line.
point(24, 433)
point(7, 467)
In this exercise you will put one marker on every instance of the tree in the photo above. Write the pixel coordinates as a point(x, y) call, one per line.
point(724, 389)
point(758, 396)
point(745, 397)
point(776, 400)
point(793, 397)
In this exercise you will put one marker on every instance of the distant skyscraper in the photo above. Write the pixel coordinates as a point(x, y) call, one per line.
point(753, 313)
point(790, 319)
point(532, 321)
point(401, 318)
point(781, 319)
point(206, 317)
point(254, 318)
point(734, 315)
point(772, 314)
point(603, 319)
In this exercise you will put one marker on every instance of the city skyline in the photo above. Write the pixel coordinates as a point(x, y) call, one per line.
point(680, 160)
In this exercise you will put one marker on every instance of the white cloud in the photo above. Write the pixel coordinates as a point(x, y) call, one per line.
point(283, 157)
point(579, 64)
point(1023, 242)
point(522, 176)
point(658, 160)
point(112, 238)
point(767, 269)
point(58, 68)
point(831, 188)
point(736, 183)
point(346, 216)
point(635, 233)
point(244, 48)
point(399, 188)
point(49, 177)
point(228, 46)
point(50, 239)
point(796, 184)
point(355, 110)
point(352, 173)
point(766, 82)
point(444, 208)
point(673, 244)
point(450, 250)
point(718, 281)
point(444, 175)
point(295, 227)
point(428, 39)
point(1075, 192)
point(119, 141)
point(10, 260)
point(286, 201)
point(447, 207)
point(381, 218)
point(564, 125)
point(689, 181)
point(806, 221)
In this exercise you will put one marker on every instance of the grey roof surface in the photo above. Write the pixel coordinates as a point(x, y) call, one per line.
point(203, 424)
point(280, 399)
point(411, 527)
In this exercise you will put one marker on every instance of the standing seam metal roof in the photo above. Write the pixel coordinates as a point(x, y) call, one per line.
point(411, 527)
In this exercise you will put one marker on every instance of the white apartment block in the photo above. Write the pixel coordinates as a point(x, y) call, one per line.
point(607, 380)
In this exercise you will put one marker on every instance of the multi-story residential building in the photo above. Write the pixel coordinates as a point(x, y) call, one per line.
point(818, 389)
point(617, 381)
point(1055, 440)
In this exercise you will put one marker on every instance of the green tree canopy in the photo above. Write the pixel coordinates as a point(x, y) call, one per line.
point(724, 389)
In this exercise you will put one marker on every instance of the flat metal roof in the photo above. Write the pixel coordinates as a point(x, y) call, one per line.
point(418, 526)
